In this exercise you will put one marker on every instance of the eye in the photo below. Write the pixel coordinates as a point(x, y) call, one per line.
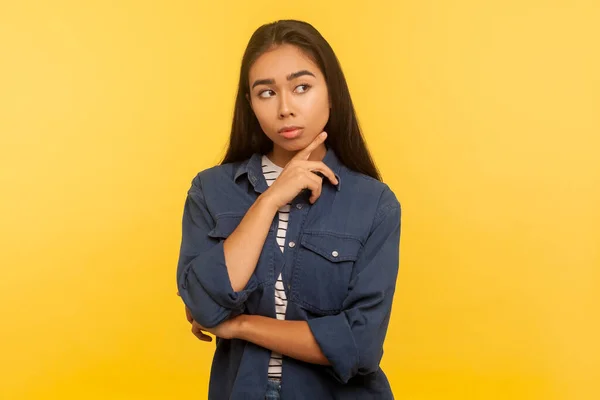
point(265, 94)
point(305, 87)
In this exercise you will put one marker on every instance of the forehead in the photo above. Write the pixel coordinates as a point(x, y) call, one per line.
point(281, 61)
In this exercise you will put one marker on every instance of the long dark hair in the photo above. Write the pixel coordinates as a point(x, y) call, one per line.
point(343, 131)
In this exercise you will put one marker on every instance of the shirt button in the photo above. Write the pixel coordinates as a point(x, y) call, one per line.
point(292, 244)
point(335, 253)
point(299, 206)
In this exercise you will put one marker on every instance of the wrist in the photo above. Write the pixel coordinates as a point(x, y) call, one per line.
point(241, 328)
point(266, 201)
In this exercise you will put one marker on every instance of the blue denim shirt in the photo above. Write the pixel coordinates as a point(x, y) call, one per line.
point(339, 269)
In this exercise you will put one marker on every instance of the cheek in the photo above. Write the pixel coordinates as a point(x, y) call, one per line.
point(264, 115)
point(318, 111)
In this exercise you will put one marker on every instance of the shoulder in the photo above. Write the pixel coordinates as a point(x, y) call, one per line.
point(215, 175)
point(375, 191)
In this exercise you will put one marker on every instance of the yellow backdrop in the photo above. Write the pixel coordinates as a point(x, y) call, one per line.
point(483, 117)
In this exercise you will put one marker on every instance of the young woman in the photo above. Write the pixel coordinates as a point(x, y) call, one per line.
point(290, 247)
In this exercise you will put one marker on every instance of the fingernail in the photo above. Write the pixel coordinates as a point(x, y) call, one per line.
point(323, 133)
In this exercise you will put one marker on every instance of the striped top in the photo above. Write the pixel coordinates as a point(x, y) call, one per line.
point(271, 172)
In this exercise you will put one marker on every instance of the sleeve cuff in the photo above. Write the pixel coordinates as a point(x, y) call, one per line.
point(334, 336)
point(211, 273)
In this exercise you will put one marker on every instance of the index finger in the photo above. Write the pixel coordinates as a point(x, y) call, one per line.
point(305, 152)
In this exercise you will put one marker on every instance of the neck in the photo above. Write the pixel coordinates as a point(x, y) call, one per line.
point(280, 156)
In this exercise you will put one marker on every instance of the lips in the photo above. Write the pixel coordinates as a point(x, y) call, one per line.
point(290, 132)
point(289, 128)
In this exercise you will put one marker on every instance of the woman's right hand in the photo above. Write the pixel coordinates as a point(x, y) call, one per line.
point(298, 175)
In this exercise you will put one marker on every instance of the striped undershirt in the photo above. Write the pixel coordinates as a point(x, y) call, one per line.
point(271, 172)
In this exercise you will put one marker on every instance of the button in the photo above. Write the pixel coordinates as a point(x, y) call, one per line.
point(335, 253)
point(299, 206)
point(292, 244)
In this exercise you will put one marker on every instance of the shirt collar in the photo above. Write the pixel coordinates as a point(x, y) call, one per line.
point(253, 168)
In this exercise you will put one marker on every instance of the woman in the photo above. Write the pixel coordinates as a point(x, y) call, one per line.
point(290, 246)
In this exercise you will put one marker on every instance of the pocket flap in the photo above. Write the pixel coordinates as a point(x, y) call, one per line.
point(332, 247)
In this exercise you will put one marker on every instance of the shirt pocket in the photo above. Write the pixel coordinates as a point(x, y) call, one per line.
point(323, 270)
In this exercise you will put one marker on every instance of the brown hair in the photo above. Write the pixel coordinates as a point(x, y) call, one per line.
point(344, 135)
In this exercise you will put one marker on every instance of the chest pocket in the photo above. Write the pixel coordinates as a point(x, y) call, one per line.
point(322, 271)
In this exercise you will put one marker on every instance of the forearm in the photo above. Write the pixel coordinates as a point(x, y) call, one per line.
point(243, 247)
point(290, 338)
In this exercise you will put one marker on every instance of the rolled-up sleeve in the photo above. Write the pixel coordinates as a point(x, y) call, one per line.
point(353, 340)
point(202, 277)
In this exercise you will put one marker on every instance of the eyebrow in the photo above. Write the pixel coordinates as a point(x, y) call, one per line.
point(289, 78)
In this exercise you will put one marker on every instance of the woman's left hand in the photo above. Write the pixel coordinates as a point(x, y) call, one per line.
point(226, 330)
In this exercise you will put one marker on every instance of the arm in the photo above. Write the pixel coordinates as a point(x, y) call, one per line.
point(243, 247)
point(216, 276)
point(290, 338)
point(353, 340)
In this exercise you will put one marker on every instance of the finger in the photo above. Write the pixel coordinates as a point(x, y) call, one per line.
point(201, 335)
point(305, 153)
point(197, 328)
point(204, 337)
point(314, 184)
point(321, 167)
point(315, 195)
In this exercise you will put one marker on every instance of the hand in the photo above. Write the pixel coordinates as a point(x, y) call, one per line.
point(199, 332)
point(298, 175)
point(227, 329)
point(196, 331)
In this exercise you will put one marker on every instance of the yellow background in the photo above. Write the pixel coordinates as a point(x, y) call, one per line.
point(483, 117)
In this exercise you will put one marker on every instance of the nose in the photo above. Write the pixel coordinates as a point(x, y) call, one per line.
point(285, 106)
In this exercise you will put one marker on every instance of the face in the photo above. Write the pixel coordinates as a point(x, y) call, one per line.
point(289, 97)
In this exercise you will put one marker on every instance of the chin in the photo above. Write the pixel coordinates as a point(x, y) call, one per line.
point(292, 146)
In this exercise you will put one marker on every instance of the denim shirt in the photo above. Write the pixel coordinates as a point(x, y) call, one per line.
point(339, 269)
